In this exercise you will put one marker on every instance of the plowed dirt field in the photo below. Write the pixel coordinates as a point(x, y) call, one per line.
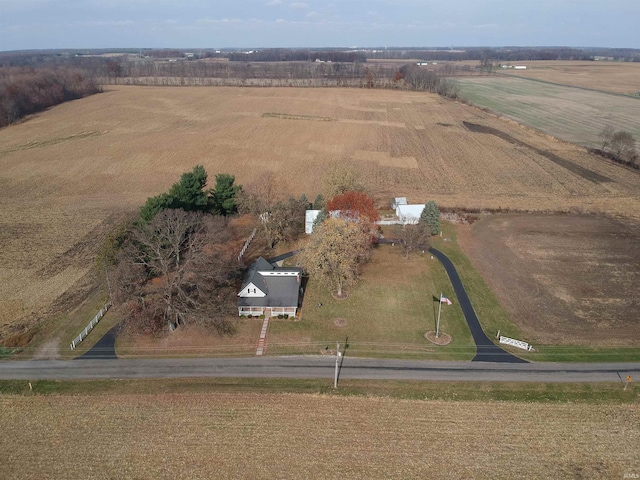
point(564, 279)
point(69, 174)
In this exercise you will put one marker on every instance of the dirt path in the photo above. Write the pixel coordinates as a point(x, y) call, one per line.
point(49, 350)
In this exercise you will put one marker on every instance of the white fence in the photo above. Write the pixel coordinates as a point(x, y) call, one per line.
point(92, 323)
point(515, 343)
point(246, 244)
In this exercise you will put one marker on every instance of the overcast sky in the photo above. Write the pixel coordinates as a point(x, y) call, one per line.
point(38, 24)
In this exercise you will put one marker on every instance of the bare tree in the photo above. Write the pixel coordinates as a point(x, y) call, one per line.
point(175, 270)
point(623, 146)
point(279, 218)
point(606, 136)
point(411, 237)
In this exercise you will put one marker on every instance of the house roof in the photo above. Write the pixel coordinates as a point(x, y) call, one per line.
point(281, 290)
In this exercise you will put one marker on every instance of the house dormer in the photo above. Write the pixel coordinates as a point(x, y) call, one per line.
point(251, 291)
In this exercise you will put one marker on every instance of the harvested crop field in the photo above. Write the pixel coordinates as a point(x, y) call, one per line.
point(617, 77)
point(312, 436)
point(563, 279)
point(571, 114)
point(70, 174)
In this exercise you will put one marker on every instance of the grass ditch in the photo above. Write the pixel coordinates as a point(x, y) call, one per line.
point(448, 391)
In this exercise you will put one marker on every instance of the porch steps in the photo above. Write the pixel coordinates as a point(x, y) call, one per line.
point(262, 341)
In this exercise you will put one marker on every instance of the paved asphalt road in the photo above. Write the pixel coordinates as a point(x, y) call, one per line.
point(317, 367)
point(487, 351)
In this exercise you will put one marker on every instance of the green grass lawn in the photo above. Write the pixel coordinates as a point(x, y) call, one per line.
point(403, 389)
point(387, 313)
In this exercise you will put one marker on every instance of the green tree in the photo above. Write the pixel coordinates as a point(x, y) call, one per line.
point(322, 216)
point(223, 197)
point(305, 201)
point(318, 203)
point(431, 217)
point(187, 194)
point(336, 249)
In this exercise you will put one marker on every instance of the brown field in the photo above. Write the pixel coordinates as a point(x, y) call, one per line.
point(562, 279)
point(209, 435)
point(617, 77)
point(69, 174)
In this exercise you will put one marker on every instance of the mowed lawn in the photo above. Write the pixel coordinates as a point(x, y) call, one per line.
point(386, 314)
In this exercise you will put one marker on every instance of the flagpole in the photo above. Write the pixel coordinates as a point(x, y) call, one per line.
point(438, 324)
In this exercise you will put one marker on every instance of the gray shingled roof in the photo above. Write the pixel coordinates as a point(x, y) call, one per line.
point(281, 291)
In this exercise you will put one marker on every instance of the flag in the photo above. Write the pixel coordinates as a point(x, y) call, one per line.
point(445, 300)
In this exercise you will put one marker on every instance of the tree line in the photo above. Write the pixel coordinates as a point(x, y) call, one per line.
point(294, 55)
point(24, 91)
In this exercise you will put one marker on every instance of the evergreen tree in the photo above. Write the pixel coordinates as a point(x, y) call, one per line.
point(304, 200)
point(318, 203)
point(187, 194)
point(223, 197)
point(322, 216)
point(431, 217)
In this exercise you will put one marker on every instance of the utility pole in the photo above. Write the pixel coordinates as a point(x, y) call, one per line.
point(338, 355)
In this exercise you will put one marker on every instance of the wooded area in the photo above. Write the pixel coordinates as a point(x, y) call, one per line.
point(24, 91)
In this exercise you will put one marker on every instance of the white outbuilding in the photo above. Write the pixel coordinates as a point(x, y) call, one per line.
point(409, 214)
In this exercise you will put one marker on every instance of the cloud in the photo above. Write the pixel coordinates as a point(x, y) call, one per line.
point(313, 15)
point(274, 3)
point(104, 23)
point(298, 6)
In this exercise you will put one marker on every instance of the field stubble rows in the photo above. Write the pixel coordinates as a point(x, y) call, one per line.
point(69, 174)
point(302, 435)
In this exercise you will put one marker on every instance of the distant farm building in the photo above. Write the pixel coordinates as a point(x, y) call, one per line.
point(520, 67)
